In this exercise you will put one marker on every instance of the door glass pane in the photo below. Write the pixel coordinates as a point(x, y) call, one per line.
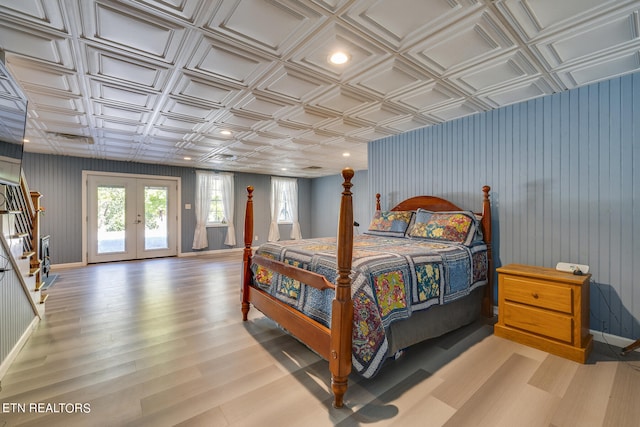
point(111, 219)
point(156, 235)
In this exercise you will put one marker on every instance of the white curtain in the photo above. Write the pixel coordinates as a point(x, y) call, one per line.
point(204, 183)
point(276, 195)
point(291, 190)
point(227, 203)
point(280, 188)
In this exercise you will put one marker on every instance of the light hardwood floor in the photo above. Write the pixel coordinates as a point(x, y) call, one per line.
point(161, 342)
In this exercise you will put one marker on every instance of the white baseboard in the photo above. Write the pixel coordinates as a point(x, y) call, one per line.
point(67, 265)
point(615, 340)
point(211, 252)
point(4, 367)
point(180, 255)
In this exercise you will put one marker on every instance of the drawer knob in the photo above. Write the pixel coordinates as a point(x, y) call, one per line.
point(535, 295)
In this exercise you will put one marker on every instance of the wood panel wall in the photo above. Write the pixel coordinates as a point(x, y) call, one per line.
point(16, 313)
point(565, 176)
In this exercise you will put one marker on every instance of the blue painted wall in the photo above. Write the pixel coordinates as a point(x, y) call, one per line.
point(565, 176)
point(59, 179)
point(326, 194)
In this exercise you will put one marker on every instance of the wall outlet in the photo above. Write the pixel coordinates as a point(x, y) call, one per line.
point(256, 237)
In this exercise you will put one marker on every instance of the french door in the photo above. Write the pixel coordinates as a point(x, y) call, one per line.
point(130, 217)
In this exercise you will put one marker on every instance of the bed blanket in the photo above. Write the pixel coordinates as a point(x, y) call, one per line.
point(391, 278)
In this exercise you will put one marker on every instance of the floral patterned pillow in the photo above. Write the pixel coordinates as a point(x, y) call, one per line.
point(457, 227)
point(390, 223)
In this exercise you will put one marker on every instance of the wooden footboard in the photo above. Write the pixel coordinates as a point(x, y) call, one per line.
point(333, 344)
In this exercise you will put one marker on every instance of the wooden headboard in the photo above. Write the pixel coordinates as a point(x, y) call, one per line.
point(437, 204)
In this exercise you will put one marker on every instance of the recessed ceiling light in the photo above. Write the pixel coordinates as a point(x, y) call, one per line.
point(225, 132)
point(338, 58)
point(283, 169)
point(187, 158)
point(346, 154)
point(25, 140)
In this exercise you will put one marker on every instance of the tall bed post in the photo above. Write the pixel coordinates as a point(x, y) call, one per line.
point(246, 256)
point(342, 306)
point(487, 300)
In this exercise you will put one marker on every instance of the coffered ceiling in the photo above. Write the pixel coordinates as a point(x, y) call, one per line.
point(158, 81)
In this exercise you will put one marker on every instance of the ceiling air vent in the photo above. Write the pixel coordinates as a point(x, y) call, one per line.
point(312, 168)
point(219, 158)
point(69, 137)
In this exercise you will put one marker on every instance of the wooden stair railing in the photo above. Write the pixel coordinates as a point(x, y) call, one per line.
point(26, 207)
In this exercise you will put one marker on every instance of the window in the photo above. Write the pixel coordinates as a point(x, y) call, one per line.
point(214, 202)
point(284, 207)
point(216, 208)
point(284, 212)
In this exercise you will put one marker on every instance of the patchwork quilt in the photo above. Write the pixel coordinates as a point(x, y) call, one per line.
point(392, 278)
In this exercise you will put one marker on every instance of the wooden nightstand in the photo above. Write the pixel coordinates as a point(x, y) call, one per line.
point(546, 309)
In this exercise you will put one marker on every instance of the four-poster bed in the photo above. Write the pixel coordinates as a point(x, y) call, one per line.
point(441, 287)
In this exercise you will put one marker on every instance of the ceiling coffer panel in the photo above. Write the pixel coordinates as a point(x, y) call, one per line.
point(533, 19)
point(295, 85)
point(38, 13)
point(593, 40)
point(314, 54)
point(280, 27)
point(593, 71)
point(390, 78)
point(50, 79)
point(187, 11)
point(380, 114)
point(107, 66)
point(528, 89)
point(39, 46)
point(204, 91)
point(399, 23)
point(194, 111)
point(468, 42)
point(505, 70)
point(255, 103)
point(341, 100)
point(56, 101)
point(428, 96)
point(122, 28)
point(123, 95)
point(227, 62)
point(451, 112)
point(63, 118)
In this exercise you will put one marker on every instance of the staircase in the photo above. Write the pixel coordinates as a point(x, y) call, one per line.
point(20, 219)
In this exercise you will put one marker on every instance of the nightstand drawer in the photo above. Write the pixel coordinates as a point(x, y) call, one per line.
point(546, 323)
point(538, 293)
